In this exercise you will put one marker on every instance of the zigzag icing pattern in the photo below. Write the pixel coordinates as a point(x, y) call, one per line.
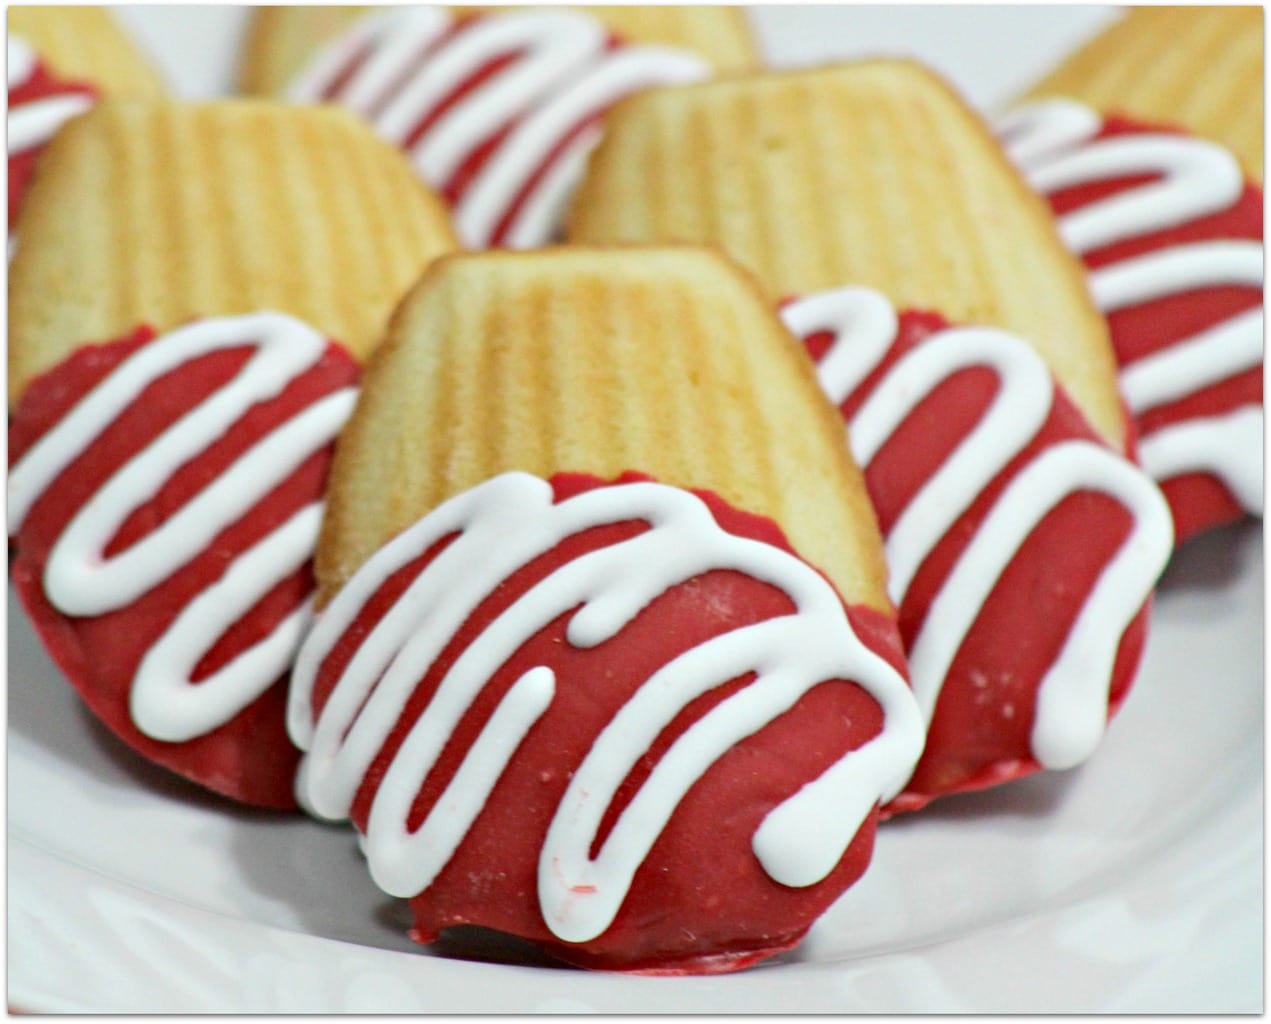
point(1073, 695)
point(500, 526)
point(1061, 145)
point(498, 113)
point(80, 580)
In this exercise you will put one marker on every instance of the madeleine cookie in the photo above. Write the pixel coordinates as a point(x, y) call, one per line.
point(1171, 233)
point(1022, 550)
point(873, 174)
point(167, 486)
point(60, 60)
point(570, 674)
point(1197, 68)
point(982, 468)
point(157, 213)
point(498, 110)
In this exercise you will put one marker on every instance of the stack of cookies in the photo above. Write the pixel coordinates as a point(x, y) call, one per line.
point(611, 475)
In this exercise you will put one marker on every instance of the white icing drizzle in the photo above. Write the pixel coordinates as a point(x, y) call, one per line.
point(31, 125)
point(20, 61)
point(1069, 721)
point(1054, 143)
point(163, 698)
point(500, 526)
point(1017, 412)
point(1072, 699)
point(859, 313)
point(408, 63)
point(1039, 130)
point(1230, 446)
point(1197, 179)
point(79, 581)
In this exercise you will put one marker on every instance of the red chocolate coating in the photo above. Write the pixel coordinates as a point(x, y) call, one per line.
point(701, 902)
point(250, 758)
point(979, 735)
point(1199, 501)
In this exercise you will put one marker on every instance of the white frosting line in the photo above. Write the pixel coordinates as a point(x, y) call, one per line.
point(20, 62)
point(1038, 130)
point(1072, 700)
point(326, 65)
point(59, 447)
point(501, 526)
point(410, 32)
point(562, 73)
point(164, 703)
point(1199, 179)
point(79, 581)
point(859, 314)
point(542, 213)
point(1228, 446)
point(33, 124)
point(1017, 412)
point(1204, 359)
point(1180, 268)
point(1081, 675)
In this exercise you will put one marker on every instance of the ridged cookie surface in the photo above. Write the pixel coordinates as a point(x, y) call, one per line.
point(1197, 67)
point(86, 44)
point(281, 39)
point(161, 212)
point(874, 174)
point(667, 362)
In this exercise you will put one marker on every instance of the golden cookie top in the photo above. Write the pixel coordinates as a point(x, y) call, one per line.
point(158, 212)
point(668, 362)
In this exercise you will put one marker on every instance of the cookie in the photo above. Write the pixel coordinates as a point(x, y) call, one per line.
point(84, 44)
point(157, 213)
point(1022, 549)
point(173, 308)
point(873, 173)
point(870, 197)
point(498, 110)
point(1195, 68)
point(164, 502)
point(1170, 229)
point(604, 658)
point(60, 60)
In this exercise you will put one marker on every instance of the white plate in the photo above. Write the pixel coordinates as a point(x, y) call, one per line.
point(1132, 884)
